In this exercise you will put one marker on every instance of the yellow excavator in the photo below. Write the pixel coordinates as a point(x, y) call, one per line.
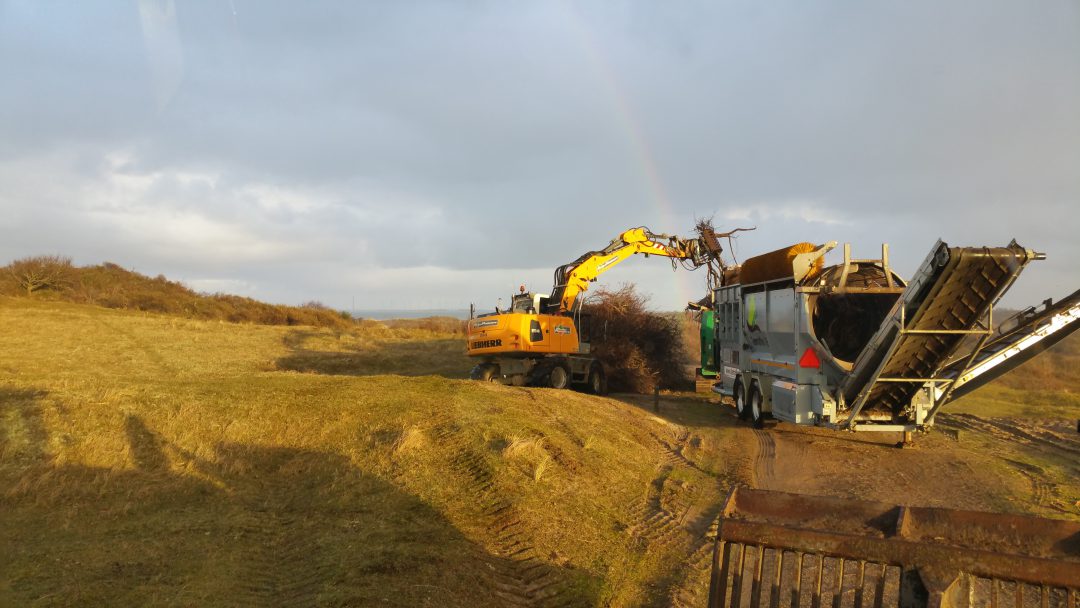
point(543, 340)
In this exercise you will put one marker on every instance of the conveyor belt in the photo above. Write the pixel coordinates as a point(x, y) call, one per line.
point(1018, 340)
point(947, 299)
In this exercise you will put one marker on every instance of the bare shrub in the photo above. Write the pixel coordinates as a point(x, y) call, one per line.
point(112, 286)
point(41, 273)
point(640, 349)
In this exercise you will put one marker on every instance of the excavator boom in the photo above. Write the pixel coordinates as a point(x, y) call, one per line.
point(574, 278)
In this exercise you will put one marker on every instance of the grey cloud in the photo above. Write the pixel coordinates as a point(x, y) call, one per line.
point(480, 136)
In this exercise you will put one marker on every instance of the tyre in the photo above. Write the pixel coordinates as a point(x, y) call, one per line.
point(755, 402)
point(597, 380)
point(559, 377)
point(485, 372)
point(740, 401)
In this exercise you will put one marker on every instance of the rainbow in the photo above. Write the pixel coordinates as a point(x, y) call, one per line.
point(635, 136)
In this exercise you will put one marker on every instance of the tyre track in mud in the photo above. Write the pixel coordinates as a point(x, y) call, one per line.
point(661, 512)
point(285, 568)
point(672, 454)
point(1044, 493)
point(521, 577)
point(764, 471)
point(1043, 438)
point(693, 590)
point(682, 515)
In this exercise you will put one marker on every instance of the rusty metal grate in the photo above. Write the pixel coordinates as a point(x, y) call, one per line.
point(780, 550)
point(763, 576)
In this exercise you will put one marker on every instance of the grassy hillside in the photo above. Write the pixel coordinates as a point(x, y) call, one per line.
point(55, 278)
point(159, 460)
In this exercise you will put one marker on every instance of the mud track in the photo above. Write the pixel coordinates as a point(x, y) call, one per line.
point(1048, 438)
point(521, 578)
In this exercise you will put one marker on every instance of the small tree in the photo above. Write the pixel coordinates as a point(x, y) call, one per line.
point(41, 272)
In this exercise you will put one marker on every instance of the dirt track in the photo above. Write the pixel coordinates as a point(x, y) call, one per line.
point(993, 466)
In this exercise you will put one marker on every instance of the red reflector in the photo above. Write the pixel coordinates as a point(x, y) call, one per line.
point(809, 359)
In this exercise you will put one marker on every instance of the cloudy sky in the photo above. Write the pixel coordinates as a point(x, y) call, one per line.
point(428, 155)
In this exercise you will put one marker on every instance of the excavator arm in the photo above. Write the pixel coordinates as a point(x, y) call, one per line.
point(574, 278)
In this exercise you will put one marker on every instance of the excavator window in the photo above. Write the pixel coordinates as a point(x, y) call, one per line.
point(584, 325)
point(535, 333)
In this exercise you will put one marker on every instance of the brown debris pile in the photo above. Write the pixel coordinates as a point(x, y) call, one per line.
point(639, 349)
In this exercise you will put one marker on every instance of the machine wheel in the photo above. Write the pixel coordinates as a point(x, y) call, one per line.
point(485, 372)
point(559, 378)
point(597, 380)
point(740, 401)
point(755, 402)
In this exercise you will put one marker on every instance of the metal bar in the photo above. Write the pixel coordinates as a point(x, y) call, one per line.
point(862, 581)
point(994, 585)
point(838, 592)
point(947, 331)
point(938, 403)
point(1019, 594)
point(736, 581)
point(879, 589)
point(718, 580)
point(829, 289)
point(918, 380)
point(774, 593)
point(1044, 597)
point(842, 287)
point(873, 427)
point(796, 590)
point(885, 264)
point(755, 587)
point(816, 601)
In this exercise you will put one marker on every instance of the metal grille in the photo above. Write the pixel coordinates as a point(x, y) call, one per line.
point(777, 549)
point(777, 578)
point(761, 576)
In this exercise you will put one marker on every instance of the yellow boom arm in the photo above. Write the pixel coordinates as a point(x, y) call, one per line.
point(574, 278)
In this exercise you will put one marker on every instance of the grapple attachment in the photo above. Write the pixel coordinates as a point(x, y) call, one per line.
point(789, 550)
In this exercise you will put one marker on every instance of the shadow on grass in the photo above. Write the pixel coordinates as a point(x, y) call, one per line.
point(437, 357)
point(685, 409)
point(242, 525)
point(22, 430)
point(697, 410)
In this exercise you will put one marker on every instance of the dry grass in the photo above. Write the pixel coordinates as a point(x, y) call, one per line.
point(531, 452)
point(109, 285)
point(150, 460)
point(155, 460)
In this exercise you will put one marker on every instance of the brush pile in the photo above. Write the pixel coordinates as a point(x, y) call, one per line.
point(640, 349)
